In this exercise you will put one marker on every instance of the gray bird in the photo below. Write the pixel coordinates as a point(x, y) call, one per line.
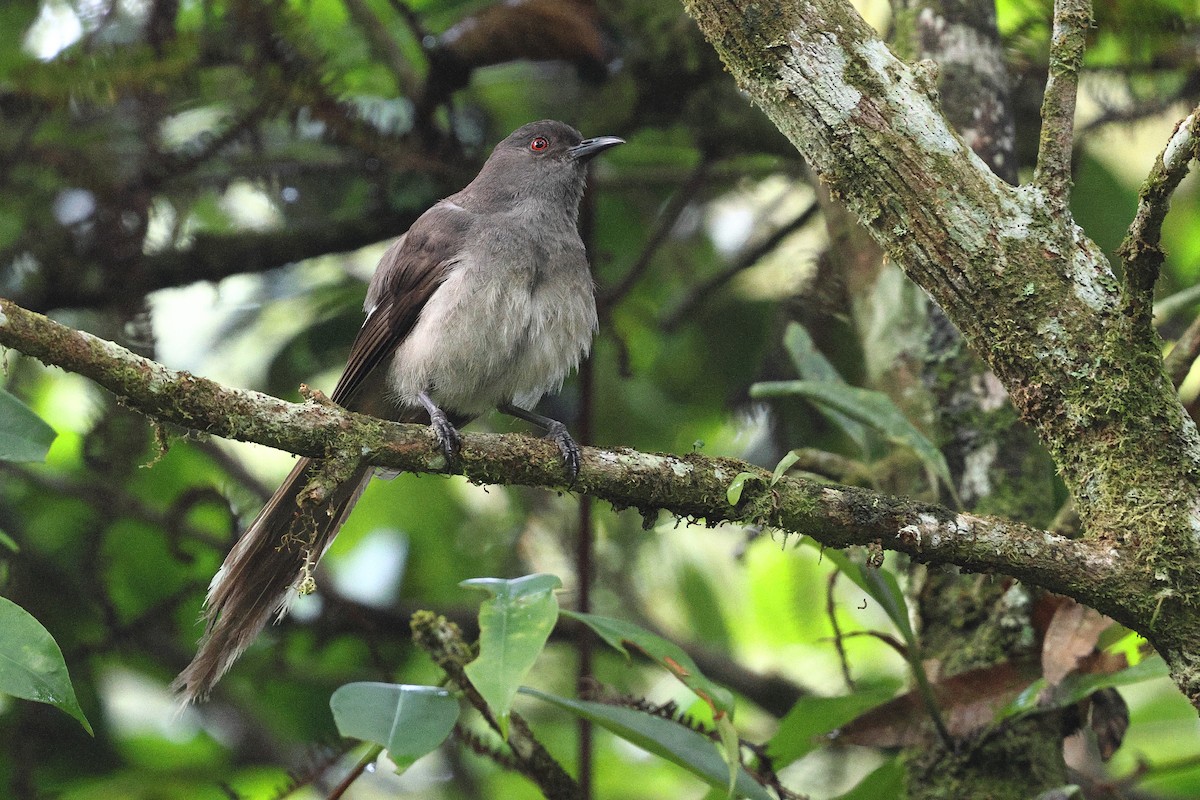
point(486, 302)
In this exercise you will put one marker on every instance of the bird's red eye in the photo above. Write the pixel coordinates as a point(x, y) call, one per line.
point(539, 144)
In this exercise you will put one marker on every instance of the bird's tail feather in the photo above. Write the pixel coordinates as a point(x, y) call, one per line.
point(260, 575)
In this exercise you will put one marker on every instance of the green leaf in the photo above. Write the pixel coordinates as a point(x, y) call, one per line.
point(1076, 687)
point(513, 628)
point(813, 717)
point(410, 721)
point(9, 543)
point(31, 665)
point(886, 781)
point(810, 362)
point(730, 749)
point(734, 493)
point(680, 745)
point(783, 466)
point(24, 436)
point(812, 365)
point(619, 633)
point(873, 409)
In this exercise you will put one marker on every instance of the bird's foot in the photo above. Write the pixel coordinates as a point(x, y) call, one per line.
point(448, 437)
point(572, 457)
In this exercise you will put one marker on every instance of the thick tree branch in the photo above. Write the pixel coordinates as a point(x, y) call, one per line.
point(691, 486)
point(1072, 18)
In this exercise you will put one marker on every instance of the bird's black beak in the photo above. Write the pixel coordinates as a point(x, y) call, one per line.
point(589, 148)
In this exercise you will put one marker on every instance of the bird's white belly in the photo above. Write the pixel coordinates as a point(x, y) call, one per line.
point(481, 342)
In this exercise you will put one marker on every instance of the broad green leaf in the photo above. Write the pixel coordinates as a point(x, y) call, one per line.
point(410, 721)
point(886, 781)
point(810, 362)
point(513, 628)
point(680, 745)
point(31, 665)
point(812, 365)
point(619, 633)
point(24, 436)
point(1076, 687)
point(813, 717)
point(873, 409)
point(734, 493)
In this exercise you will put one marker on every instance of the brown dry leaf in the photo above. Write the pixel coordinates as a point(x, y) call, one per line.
point(1070, 638)
point(968, 702)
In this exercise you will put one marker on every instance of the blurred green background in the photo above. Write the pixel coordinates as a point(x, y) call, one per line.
point(211, 182)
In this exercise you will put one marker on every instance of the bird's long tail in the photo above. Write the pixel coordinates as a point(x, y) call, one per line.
point(263, 571)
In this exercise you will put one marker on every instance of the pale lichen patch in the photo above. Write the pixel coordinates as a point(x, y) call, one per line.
point(914, 115)
point(821, 64)
point(1179, 148)
point(1093, 282)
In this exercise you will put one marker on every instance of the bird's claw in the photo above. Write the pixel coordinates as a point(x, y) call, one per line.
point(448, 439)
point(572, 457)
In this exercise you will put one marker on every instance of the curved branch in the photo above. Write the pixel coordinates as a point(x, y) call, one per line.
point(1140, 251)
point(692, 486)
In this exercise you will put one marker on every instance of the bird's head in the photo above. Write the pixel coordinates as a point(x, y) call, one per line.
point(546, 158)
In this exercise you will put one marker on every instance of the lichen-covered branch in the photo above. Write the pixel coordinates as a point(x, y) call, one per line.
point(691, 486)
point(1140, 251)
point(1072, 18)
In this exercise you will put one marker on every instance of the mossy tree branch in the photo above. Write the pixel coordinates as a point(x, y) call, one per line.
point(1026, 287)
point(692, 486)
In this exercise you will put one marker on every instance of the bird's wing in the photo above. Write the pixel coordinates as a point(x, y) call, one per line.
point(407, 276)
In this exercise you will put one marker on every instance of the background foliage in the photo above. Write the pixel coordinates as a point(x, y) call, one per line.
point(212, 182)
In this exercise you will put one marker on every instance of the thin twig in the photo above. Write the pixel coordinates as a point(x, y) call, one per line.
point(1178, 362)
point(443, 641)
point(746, 259)
point(1140, 109)
point(1072, 18)
point(415, 26)
point(1141, 252)
point(675, 206)
point(838, 639)
point(384, 47)
point(1166, 308)
point(359, 768)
